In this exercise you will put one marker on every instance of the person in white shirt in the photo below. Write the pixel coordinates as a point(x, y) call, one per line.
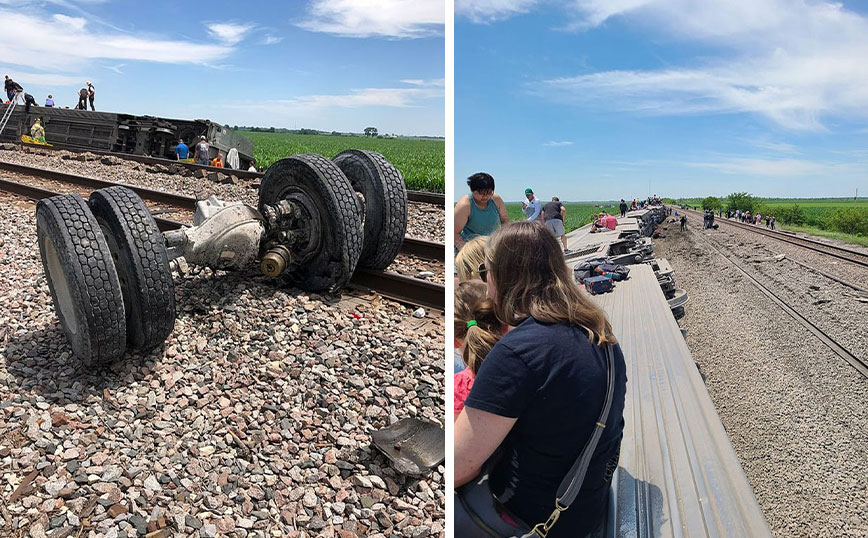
point(532, 207)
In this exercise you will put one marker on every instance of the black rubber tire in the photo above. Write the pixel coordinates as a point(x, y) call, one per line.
point(385, 204)
point(82, 279)
point(142, 264)
point(339, 217)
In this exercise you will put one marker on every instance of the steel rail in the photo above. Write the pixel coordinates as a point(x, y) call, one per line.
point(846, 254)
point(429, 250)
point(424, 197)
point(393, 285)
point(860, 365)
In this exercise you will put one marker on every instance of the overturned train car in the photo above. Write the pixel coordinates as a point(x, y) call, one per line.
point(125, 133)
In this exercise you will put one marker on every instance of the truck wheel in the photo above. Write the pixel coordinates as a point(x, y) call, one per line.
point(382, 185)
point(82, 279)
point(331, 220)
point(142, 264)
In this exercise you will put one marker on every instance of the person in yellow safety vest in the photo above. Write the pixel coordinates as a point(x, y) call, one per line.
point(218, 160)
point(37, 131)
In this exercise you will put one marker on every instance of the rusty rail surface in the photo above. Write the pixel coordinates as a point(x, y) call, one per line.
point(393, 285)
point(430, 250)
point(424, 197)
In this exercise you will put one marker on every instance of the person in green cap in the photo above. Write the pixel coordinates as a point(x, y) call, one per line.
point(532, 207)
point(480, 212)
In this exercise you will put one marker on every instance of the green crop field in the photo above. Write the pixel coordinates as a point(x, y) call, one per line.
point(421, 161)
point(578, 213)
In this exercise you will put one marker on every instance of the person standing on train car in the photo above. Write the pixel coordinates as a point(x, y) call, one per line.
point(82, 99)
point(49, 101)
point(533, 207)
point(91, 91)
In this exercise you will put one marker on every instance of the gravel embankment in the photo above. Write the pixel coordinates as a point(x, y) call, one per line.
point(425, 221)
point(253, 420)
point(796, 413)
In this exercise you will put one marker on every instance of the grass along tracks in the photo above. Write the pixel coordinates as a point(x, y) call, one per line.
point(421, 161)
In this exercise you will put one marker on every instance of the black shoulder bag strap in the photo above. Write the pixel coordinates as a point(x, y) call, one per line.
point(572, 482)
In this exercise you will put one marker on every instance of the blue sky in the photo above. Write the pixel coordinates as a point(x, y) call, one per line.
point(323, 64)
point(604, 99)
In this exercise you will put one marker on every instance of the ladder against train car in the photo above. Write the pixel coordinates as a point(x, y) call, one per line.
point(8, 113)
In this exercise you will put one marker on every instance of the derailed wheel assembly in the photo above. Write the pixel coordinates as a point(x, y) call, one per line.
point(108, 265)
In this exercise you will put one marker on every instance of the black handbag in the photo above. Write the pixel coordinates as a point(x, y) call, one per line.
point(478, 512)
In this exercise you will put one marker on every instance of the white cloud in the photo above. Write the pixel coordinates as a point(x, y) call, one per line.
point(75, 23)
point(229, 33)
point(366, 97)
point(796, 64)
point(486, 11)
point(46, 79)
point(558, 143)
point(438, 82)
point(769, 167)
point(403, 19)
point(272, 40)
point(66, 44)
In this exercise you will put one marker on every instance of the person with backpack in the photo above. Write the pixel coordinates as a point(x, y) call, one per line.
point(623, 208)
point(551, 386)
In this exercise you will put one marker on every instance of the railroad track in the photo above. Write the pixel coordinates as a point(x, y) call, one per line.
point(414, 196)
point(421, 248)
point(842, 253)
point(393, 285)
point(859, 364)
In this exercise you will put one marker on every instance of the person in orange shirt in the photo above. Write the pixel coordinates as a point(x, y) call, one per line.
point(218, 160)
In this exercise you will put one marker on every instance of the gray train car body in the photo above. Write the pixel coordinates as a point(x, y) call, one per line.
point(126, 133)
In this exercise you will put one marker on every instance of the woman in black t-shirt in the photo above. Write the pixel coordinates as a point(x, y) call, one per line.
point(541, 389)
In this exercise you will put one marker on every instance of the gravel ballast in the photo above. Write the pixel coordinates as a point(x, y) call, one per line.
point(254, 419)
point(795, 412)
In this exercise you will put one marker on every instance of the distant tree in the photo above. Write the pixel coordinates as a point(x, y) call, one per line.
point(741, 201)
point(370, 131)
point(849, 220)
point(235, 127)
point(711, 202)
point(271, 129)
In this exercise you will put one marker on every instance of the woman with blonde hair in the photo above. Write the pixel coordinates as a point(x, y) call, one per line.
point(550, 395)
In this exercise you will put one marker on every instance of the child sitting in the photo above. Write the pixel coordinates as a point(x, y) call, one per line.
point(477, 329)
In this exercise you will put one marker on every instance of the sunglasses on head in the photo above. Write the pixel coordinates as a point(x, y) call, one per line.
point(483, 272)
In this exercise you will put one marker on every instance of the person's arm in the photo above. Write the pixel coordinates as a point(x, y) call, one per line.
point(462, 213)
point(501, 209)
point(563, 212)
point(477, 436)
point(537, 208)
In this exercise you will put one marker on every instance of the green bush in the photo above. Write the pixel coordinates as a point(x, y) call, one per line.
point(848, 220)
point(791, 215)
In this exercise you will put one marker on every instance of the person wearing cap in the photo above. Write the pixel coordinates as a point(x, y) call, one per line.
point(532, 207)
point(49, 102)
point(202, 153)
point(91, 91)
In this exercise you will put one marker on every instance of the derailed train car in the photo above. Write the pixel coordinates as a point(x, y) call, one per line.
point(125, 133)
